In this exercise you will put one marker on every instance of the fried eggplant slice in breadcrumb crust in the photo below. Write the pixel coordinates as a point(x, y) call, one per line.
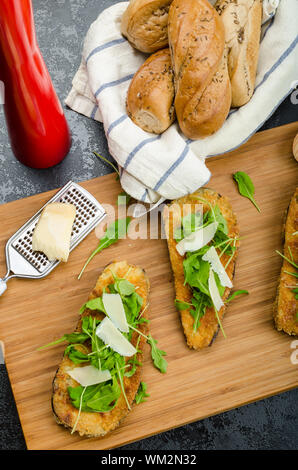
point(285, 311)
point(99, 424)
point(209, 326)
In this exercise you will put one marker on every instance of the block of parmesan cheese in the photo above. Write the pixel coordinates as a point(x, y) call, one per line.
point(52, 233)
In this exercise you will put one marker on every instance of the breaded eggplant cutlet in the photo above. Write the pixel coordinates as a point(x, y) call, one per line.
point(95, 422)
point(285, 310)
point(192, 274)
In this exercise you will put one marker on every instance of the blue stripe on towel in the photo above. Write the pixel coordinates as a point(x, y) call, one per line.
point(278, 62)
point(138, 147)
point(256, 129)
point(269, 26)
point(144, 196)
point(267, 75)
point(92, 115)
point(113, 83)
point(116, 122)
point(105, 46)
point(172, 168)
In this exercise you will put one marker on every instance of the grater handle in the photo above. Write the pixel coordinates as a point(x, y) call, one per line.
point(3, 286)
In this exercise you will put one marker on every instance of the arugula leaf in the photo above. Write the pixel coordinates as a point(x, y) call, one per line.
point(157, 355)
point(109, 163)
point(132, 306)
point(189, 223)
point(76, 356)
point(123, 199)
point(88, 324)
point(103, 397)
point(245, 186)
point(197, 307)
point(196, 270)
point(200, 302)
point(182, 305)
point(134, 364)
point(94, 304)
point(215, 215)
point(235, 294)
point(292, 274)
point(295, 291)
point(106, 398)
point(141, 393)
point(98, 398)
point(287, 259)
point(75, 337)
point(124, 287)
point(115, 231)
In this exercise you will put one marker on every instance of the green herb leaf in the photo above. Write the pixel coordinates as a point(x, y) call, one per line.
point(96, 398)
point(75, 337)
point(94, 304)
point(115, 231)
point(124, 287)
point(123, 199)
point(287, 259)
point(141, 393)
point(109, 163)
point(215, 215)
point(292, 274)
point(200, 302)
point(157, 355)
point(245, 186)
point(76, 356)
point(295, 292)
point(105, 399)
point(182, 305)
point(189, 223)
point(120, 377)
point(235, 294)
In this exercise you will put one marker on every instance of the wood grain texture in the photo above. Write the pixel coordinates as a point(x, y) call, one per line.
point(252, 363)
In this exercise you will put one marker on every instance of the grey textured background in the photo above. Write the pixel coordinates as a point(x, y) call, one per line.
point(61, 26)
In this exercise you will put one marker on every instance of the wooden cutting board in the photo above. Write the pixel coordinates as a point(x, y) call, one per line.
point(251, 364)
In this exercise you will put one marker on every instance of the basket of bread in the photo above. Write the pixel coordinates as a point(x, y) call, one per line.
point(204, 62)
point(177, 81)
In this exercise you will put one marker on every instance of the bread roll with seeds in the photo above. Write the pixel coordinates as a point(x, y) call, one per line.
point(242, 23)
point(150, 97)
point(145, 24)
point(196, 39)
point(214, 104)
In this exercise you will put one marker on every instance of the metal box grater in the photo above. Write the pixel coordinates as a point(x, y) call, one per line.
point(22, 261)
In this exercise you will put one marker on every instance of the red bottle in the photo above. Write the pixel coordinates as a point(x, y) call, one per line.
point(36, 123)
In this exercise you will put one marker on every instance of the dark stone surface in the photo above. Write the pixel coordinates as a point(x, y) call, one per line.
point(61, 27)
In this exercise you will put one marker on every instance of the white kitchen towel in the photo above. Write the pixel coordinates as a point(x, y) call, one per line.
point(170, 165)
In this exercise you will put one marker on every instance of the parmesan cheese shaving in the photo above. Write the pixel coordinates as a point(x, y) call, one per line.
point(197, 239)
point(212, 257)
point(115, 310)
point(112, 337)
point(214, 293)
point(89, 375)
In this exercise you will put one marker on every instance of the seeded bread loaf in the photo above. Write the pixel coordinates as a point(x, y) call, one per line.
point(145, 24)
point(150, 97)
point(196, 39)
point(242, 23)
